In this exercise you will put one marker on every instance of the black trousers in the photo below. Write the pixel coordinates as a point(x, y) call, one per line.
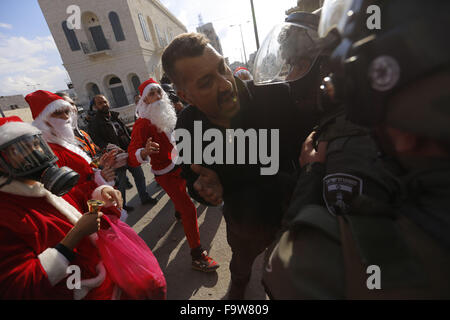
point(248, 237)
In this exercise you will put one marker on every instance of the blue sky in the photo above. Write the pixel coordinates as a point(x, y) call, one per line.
point(25, 16)
point(29, 59)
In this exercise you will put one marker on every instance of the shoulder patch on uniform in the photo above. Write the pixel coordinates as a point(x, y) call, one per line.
point(339, 189)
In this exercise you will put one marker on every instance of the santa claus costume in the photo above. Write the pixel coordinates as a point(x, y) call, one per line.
point(157, 121)
point(32, 223)
point(61, 139)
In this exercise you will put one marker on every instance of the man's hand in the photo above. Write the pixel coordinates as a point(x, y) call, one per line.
point(108, 174)
point(208, 185)
point(107, 160)
point(85, 226)
point(88, 223)
point(112, 196)
point(150, 148)
point(309, 154)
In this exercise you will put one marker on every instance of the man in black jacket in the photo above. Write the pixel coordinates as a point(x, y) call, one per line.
point(253, 202)
point(106, 128)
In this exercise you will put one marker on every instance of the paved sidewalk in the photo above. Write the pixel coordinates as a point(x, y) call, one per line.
point(165, 237)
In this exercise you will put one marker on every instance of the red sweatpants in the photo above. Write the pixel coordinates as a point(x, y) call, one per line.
point(175, 186)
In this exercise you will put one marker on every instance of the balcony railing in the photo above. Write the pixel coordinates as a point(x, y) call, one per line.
point(92, 49)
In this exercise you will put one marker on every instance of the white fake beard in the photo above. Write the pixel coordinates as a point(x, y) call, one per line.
point(161, 113)
point(61, 133)
point(62, 128)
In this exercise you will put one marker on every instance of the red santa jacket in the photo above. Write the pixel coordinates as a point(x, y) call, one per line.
point(89, 180)
point(161, 162)
point(32, 222)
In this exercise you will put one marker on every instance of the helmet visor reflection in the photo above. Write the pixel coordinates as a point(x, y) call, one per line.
point(26, 155)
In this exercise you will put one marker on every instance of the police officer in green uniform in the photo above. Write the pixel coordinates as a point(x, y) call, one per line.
point(393, 79)
point(354, 163)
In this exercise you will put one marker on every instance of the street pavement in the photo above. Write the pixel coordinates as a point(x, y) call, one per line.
point(165, 237)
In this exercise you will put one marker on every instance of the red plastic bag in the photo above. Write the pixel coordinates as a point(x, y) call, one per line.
point(130, 262)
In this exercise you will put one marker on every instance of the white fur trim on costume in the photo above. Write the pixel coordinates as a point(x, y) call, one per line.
point(88, 284)
point(12, 130)
point(52, 107)
point(54, 264)
point(97, 193)
point(139, 157)
point(99, 180)
point(165, 170)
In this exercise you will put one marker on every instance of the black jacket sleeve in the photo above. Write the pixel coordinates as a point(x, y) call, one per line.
point(186, 121)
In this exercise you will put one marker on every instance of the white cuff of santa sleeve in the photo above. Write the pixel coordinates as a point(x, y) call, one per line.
point(54, 264)
point(97, 193)
point(98, 178)
point(139, 158)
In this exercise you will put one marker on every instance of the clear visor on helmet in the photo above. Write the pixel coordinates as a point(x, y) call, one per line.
point(334, 16)
point(25, 155)
point(287, 54)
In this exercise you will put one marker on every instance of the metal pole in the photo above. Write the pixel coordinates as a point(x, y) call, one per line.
point(254, 25)
point(243, 45)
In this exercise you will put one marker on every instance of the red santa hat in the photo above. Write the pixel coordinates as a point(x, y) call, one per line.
point(146, 86)
point(242, 70)
point(13, 127)
point(44, 103)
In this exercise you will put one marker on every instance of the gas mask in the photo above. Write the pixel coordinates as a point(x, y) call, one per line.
point(29, 157)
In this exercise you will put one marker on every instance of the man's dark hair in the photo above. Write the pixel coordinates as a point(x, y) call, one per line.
point(186, 45)
point(94, 101)
point(165, 79)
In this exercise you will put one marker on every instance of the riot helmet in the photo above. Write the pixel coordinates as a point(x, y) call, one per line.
point(289, 51)
point(394, 70)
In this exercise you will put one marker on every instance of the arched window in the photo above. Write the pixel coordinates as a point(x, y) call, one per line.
point(116, 26)
point(117, 92)
point(114, 80)
point(136, 83)
point(71, 37)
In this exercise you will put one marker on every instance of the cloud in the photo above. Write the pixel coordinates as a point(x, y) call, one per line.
point(5, 25)
point(29, 64)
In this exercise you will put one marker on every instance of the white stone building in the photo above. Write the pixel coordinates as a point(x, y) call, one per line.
point(117, 46)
